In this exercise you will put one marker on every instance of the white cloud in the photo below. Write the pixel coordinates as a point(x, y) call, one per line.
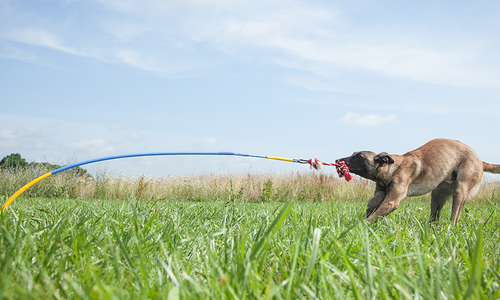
point(317, 40)
point(93, 146)
point(41, 146)
point(320, 83)
point(367, 120)
point(42, 38)
point(124, 31)
point(116, 127)
point(135, 59)
point(415, 62)
point(172, 6)
point(21, 136)
point(10, 51)
point(175, 37)
point(7, 134)
point(158, 117)
point(135, 136)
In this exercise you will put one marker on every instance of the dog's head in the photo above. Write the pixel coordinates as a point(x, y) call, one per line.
point(365, 163)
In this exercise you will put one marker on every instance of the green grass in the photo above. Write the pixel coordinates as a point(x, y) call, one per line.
point(95, 249)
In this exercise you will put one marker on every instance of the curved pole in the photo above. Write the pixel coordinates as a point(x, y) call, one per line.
point(27, 186)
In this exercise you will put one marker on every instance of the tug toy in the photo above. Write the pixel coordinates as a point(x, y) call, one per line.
point(315, 163)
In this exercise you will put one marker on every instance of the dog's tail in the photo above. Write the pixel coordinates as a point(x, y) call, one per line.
point(490, 168)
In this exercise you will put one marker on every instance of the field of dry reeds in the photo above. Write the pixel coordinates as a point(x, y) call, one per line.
point(312, 186)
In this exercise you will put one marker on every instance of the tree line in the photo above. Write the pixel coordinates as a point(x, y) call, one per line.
point(16, 162)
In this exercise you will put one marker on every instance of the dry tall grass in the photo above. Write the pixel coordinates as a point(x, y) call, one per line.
point(246, 187)
point(308, 186)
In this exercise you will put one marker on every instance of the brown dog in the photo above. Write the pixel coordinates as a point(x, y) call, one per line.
point(445, 167)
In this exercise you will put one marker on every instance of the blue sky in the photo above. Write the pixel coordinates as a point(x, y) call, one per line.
point(82, 79)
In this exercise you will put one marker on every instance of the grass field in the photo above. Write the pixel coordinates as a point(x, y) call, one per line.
point(234, 249)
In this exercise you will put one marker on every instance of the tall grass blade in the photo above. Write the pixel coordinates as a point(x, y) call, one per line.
point(275, 225)
point(476, 266)
point(314, 252)
point(294, 265)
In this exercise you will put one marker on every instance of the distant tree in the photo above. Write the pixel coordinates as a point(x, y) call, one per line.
point(13, 160)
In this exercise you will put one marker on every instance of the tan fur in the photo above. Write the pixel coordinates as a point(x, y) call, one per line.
point(447, 168)
point(491, 168)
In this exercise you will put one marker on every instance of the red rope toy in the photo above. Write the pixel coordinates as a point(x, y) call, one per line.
point(342, 168)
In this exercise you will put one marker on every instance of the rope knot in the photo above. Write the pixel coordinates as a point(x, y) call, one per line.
point(342, 168)
point(343, 171)
point(315, 163)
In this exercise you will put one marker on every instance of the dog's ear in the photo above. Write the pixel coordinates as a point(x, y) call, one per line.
point(383, 158)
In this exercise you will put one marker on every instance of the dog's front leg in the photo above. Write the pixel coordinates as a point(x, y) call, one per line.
point(376, 201)
point(390, 203)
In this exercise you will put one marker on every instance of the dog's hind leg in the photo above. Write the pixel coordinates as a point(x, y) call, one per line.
point(460, 196)
point(439, 196)
point(465, 189)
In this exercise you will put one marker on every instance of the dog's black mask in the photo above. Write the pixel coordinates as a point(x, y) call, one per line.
point(365, 163)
